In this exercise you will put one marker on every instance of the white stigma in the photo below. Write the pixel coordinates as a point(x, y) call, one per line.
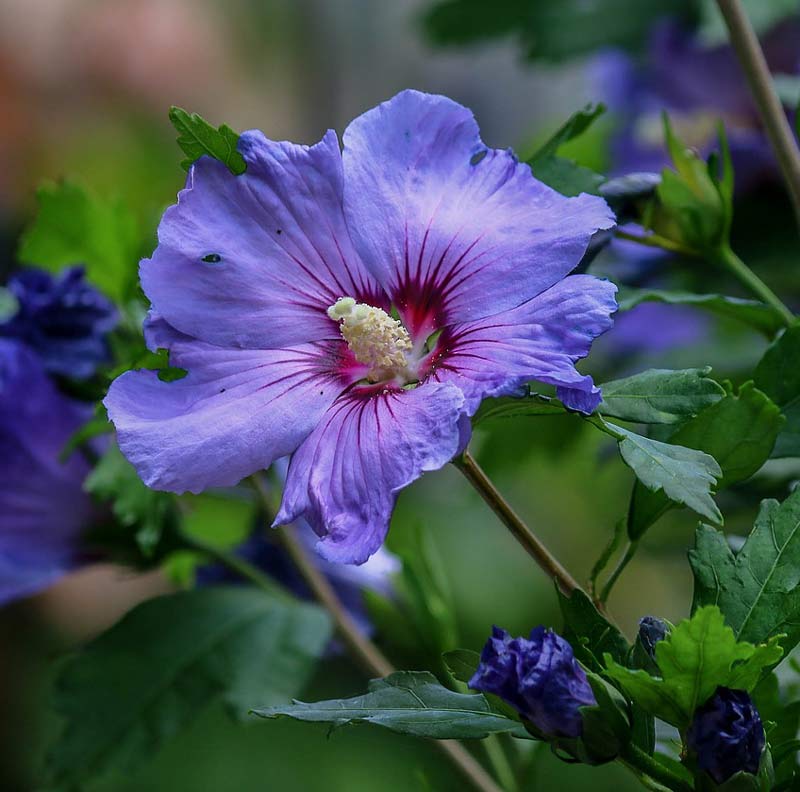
point(376, 340)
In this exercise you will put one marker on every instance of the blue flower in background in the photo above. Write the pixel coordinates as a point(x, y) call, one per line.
point(697, 86)
point(274, 290)
point(265, 552)
point(657, 327)
point(63, 319)
point(349, 581)
point(726, 735)
point(539, 677)
point(43, 508)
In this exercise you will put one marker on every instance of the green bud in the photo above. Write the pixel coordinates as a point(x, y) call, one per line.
point(693, 205)
point(606, 727)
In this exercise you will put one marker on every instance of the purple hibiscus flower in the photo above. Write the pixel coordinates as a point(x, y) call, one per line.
point(63, 319)
point(352, 309)
point(42, 504)
point(726, 735)
point(697, 85)
point(539, 677)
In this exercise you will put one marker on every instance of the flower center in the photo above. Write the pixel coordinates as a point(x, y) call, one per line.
point(376, 340)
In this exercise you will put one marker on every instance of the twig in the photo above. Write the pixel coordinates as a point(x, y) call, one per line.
point(499, 505)
point(751, 57)
point(368, 655)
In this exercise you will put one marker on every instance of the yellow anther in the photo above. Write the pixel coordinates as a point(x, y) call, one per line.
point(376, 340)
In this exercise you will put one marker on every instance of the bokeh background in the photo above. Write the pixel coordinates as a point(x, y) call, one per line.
point(85, 86)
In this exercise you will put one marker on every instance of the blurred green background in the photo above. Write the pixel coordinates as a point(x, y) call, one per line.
point(84, 90)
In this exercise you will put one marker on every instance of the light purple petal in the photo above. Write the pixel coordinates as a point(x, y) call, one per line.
point(453, 231)
point(235, 412)
point(540, 340)
point(345, 477)
point(375, 574)
point(280, 251)
point(43, 508)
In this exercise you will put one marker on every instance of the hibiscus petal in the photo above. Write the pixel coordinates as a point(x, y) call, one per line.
point(235, 412)
point(345, 477)
point(453, 231)
point(540, 340)
point(255, 260)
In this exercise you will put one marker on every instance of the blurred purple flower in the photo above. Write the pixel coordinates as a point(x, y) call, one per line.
point(657, 327)
point(349, 581)
point(63, 319)
point(697, 86)
point(539, 677)
point(726, 735)
point(42, 503)
point(273, 290)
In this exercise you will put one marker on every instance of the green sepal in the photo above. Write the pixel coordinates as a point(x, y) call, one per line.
point(739, 782)
point(606, 727)
point(693, 205)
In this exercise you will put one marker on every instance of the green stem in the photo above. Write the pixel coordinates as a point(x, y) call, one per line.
point(754, 284)
point(640, 762)
point(499, 762)
point(751, 56)
point(363, 650)
point(238, 566)
point(619, 569)
point(729, 260)
point(473, 472)
point(656, 241)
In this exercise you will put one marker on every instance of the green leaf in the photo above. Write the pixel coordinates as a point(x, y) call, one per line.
point(567, 177)
point(462, 663)
point(150, 675)
point(758, 588)
point(699, 655)
point(591, 635)
point(757, 315)
point(660, 395)
point(778, 375)
point(427, 592)
point(738, 431)
point(531, 404)
point(198, 138)
point(554, 31)
point(563, 174)
point(73, 226)
point(574, 126)
point(683, 475)
point(96, 426)
point(146, 514)
point(408, 702)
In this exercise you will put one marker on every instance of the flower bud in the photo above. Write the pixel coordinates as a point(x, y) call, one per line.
point(651, 631)
point(539, 677)
point(726, 735)
point(63, 319)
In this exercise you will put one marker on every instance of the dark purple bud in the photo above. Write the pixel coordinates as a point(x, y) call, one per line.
point(726, 735)
point(63, 319)
point(651, 631)
point(539, 677)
